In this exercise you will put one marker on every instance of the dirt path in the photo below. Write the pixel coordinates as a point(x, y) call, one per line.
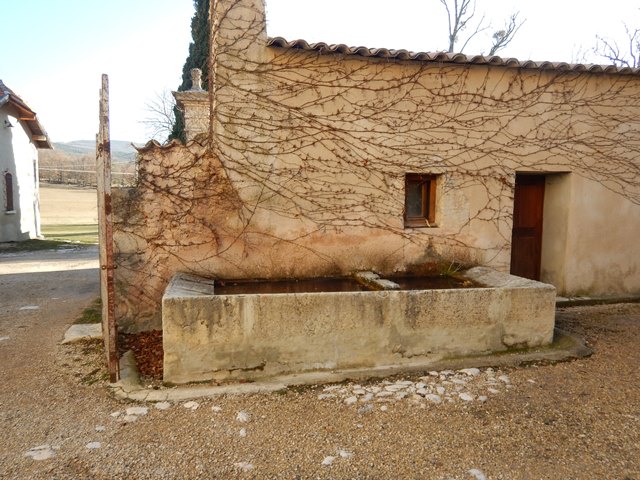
point(577, 420)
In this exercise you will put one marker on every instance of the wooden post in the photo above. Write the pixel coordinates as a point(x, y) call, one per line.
point(105, 235)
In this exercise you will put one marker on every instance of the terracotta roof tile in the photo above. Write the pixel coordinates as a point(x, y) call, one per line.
point(446, 57)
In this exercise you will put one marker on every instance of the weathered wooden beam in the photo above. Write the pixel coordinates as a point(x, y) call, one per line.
point(105, 234)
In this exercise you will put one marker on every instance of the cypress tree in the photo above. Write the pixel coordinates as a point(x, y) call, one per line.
point(198, 58)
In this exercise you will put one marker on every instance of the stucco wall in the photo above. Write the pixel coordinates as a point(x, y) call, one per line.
point(19, 157)
point(303, 171)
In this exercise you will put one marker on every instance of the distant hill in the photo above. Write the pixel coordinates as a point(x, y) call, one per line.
point(121, 151)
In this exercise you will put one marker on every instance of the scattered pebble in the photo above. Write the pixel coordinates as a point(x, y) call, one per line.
point(116, 414)
point(328, 460)
point(191, 405)
point(93, 445)
point(384, 408)
point(163, 405)
point(244, 466)
point(216, 409)
point(30, 307)
point(137, 411)
point(447, 386)
point(477, 474)
point(100, 428)
point(325, 396)
point(243, 432)
point(243, 417)
point(345, 453)
point(365, 409)
point(130, 418)
point(41, 452)
point(4, 339)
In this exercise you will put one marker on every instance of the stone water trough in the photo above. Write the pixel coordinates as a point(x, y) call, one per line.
point(215, 331)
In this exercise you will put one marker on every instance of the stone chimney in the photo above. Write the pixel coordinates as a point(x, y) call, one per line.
point(194, 104)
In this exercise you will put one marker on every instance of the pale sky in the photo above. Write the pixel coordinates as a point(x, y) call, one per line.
point(55, 51)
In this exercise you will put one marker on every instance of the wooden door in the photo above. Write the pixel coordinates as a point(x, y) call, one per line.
point(526, 238)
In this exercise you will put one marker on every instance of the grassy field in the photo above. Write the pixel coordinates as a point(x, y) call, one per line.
point(69, 214)
point(71, 233)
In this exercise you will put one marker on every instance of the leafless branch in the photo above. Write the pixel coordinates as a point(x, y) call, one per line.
point(503, 37)
point(160, 116)
point(609, 49)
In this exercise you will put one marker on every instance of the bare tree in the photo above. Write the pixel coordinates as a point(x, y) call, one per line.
point(160, 116)
point(502, 38)
point(627, 56)
point(461, 16)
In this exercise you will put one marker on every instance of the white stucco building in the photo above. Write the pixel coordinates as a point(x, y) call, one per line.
point(21, 135)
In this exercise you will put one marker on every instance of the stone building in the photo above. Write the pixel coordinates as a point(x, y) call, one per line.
point(317, 160)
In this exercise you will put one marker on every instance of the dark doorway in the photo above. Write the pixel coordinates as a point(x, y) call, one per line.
point(526, 238)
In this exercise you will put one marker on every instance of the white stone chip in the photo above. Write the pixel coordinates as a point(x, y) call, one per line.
point(477, 474)
point(493, 390)
point(434, 374)
point(93, 445)
point(472, 372)
point(504, 378)
point(345, 453)
point(530, 380)
point(483, 398)
point(216, 409)
point(433, 398)
point(137, 411)
point(328, 460)
point(30, 307)
point(244, 466)
point(130, 418)
point(243, 432)
point(191, 405)
point(326, 396)
point(467, 397)
point(368, 397)
point(441, 390)
point(163, 405)
point(351, 400)
point(41, 452)
point(116, 414)
point(384, 408)
point(365, 409)
point(243, 417)
point(100, 428)
point(384, 394)
point(4, 339)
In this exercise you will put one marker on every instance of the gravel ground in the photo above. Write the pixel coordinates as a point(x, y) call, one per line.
point(572, 420)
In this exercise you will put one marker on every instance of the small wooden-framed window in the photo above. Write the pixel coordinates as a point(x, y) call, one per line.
point(419, 200)
point(8, 189)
